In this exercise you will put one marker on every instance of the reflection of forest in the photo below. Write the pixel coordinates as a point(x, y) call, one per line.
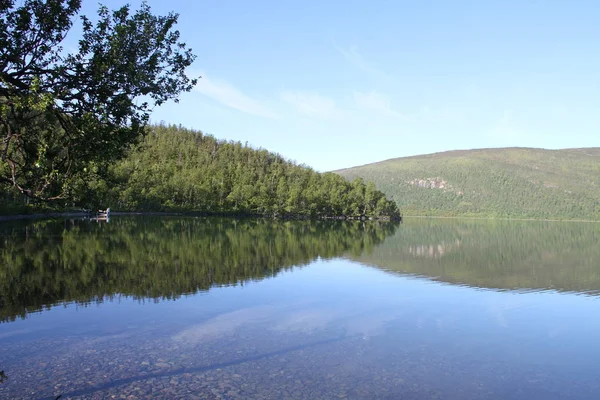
point(495, 254)
point(50, 262)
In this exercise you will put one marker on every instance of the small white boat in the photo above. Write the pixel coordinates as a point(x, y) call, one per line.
point(103, 213)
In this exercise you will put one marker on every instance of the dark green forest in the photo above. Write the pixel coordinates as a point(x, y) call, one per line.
point(181, 170)
point(56, 261)
point(501, 183)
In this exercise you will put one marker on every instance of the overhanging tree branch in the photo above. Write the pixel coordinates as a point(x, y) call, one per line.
point(61, 114)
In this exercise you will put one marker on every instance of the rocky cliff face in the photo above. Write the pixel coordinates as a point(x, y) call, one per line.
point(430, 183)
point(435, 183)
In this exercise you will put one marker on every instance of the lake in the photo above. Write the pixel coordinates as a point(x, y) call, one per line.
point(208, 308)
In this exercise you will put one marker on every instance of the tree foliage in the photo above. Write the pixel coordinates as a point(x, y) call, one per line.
point(175, 169)
point(65, 116)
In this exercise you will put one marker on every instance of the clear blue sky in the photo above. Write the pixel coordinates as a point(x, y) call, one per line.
point(334, 84)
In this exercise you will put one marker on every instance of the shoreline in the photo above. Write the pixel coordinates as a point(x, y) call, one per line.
point(4, 218)
point(51, 215)
point(501, 218)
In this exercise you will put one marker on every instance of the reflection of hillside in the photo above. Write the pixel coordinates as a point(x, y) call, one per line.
point(495, 254)
point(433, 250)
point(51, 262)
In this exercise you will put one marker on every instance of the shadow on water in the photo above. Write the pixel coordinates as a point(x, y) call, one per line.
point(46, 263)
point(179, 371)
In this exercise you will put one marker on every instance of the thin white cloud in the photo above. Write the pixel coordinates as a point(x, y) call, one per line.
point(230, 96)
point(311, 104)
point(357, 60)
point(307, 320)
point(375, 102)
point(224, 324)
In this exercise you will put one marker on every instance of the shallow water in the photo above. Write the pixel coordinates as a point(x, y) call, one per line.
point(209, 308)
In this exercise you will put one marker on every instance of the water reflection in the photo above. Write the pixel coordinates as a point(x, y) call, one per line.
point(332, 329)
point(505, 255)
point(50, 262)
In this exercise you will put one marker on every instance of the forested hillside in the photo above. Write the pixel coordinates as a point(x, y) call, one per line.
point(509, 182)
point(175, 169)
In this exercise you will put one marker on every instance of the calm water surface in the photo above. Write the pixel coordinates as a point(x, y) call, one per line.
point(196, 308)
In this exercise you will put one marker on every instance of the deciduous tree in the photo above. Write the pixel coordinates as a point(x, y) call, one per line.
point(65, 116)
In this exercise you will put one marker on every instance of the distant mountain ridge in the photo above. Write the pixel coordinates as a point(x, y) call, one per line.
point(514, 182)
